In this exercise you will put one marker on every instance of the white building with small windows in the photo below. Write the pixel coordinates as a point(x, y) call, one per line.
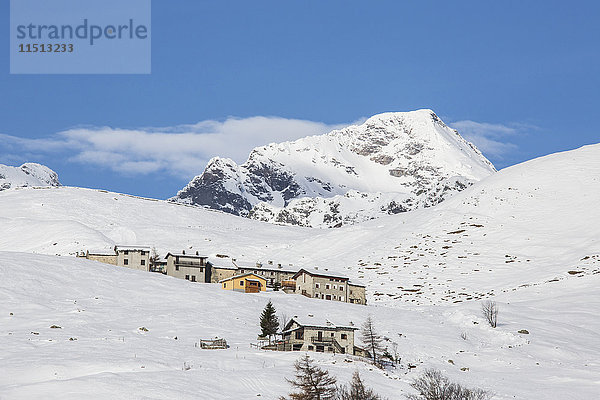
point(192, 267)
point(322, 284)
point(134, 257)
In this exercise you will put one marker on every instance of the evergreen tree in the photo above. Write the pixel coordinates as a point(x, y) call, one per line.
point(269, 323)
point(371, 339)
point(313, 382)
point(357, 390)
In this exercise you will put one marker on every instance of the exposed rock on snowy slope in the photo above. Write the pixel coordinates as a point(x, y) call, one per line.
point(392, 163)
point(28, 174)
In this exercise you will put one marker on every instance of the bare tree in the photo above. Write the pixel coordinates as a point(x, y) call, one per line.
point(432, 385)
point(313, 382)
point(489, 309)
point(154, 258)
point(371, 339)
point(284, 319)
point(356, 391)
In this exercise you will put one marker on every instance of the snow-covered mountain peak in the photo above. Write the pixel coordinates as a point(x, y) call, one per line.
point(393, 162)
point(28, 174)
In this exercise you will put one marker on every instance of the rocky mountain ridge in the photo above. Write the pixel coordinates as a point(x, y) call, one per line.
point(28, 174)
point(393, 162)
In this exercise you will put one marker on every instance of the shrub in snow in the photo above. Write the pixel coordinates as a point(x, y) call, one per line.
point(432, 385)
point(489, 309)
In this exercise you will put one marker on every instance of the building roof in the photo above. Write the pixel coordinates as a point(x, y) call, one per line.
point(102, 252)
point(224, 267)
point(243, 275)
point(315, 323)
point(320, 272)
point(262, 267)
point(133, 248)
point(353, 283)
point(193, 255)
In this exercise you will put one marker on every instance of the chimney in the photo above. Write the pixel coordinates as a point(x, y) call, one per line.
point(317, 268)
point(183, 252)
point(270, 262)
point(197, 252)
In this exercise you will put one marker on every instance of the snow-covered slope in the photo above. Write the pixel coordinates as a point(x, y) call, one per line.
point(28, 174)
point(394, 162)
point(527, 225)
point(98, 351)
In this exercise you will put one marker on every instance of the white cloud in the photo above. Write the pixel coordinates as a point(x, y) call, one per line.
point(492, 139)
point(180, 150)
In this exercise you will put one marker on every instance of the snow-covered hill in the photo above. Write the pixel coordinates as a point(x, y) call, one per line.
point(98, 351)
point(528, 225)
point(527, 237)
point(392, 163)
point(28, 174)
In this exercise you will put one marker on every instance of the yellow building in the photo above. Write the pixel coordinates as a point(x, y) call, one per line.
point(247, 283)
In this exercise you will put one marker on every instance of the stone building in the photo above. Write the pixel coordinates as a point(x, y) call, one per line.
point(275, 274)
point(322, 284)
point(134, 257)
point(310, 334)
point(192, 267)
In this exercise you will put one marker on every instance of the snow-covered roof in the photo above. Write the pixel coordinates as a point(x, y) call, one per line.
point(262, 266)
point(243, 275)
point(132, 248)
point(193, 255)
point(321, 272)
point(102, 252)
point(310, 321)
point(231, 267)
point(354, 283)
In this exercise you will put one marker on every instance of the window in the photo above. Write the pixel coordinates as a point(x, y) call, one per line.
point(300, 335)
point(341, 287)
point(177, 268)
point(334, 286)
point(125, 262)
point(193, 278)
point(311, 347)
point(327, 286)
point(317, 295)
point(201, 269)
point(241, 271)
point(187, 277)
point(224, 285)
point(344, 336)
point(126, 252)
point(143, 262)
point(317, 285)
point(332, 334)
point(241, 283)
point(143, 252)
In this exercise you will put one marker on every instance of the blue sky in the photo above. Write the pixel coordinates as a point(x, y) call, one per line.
point(520, 79)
